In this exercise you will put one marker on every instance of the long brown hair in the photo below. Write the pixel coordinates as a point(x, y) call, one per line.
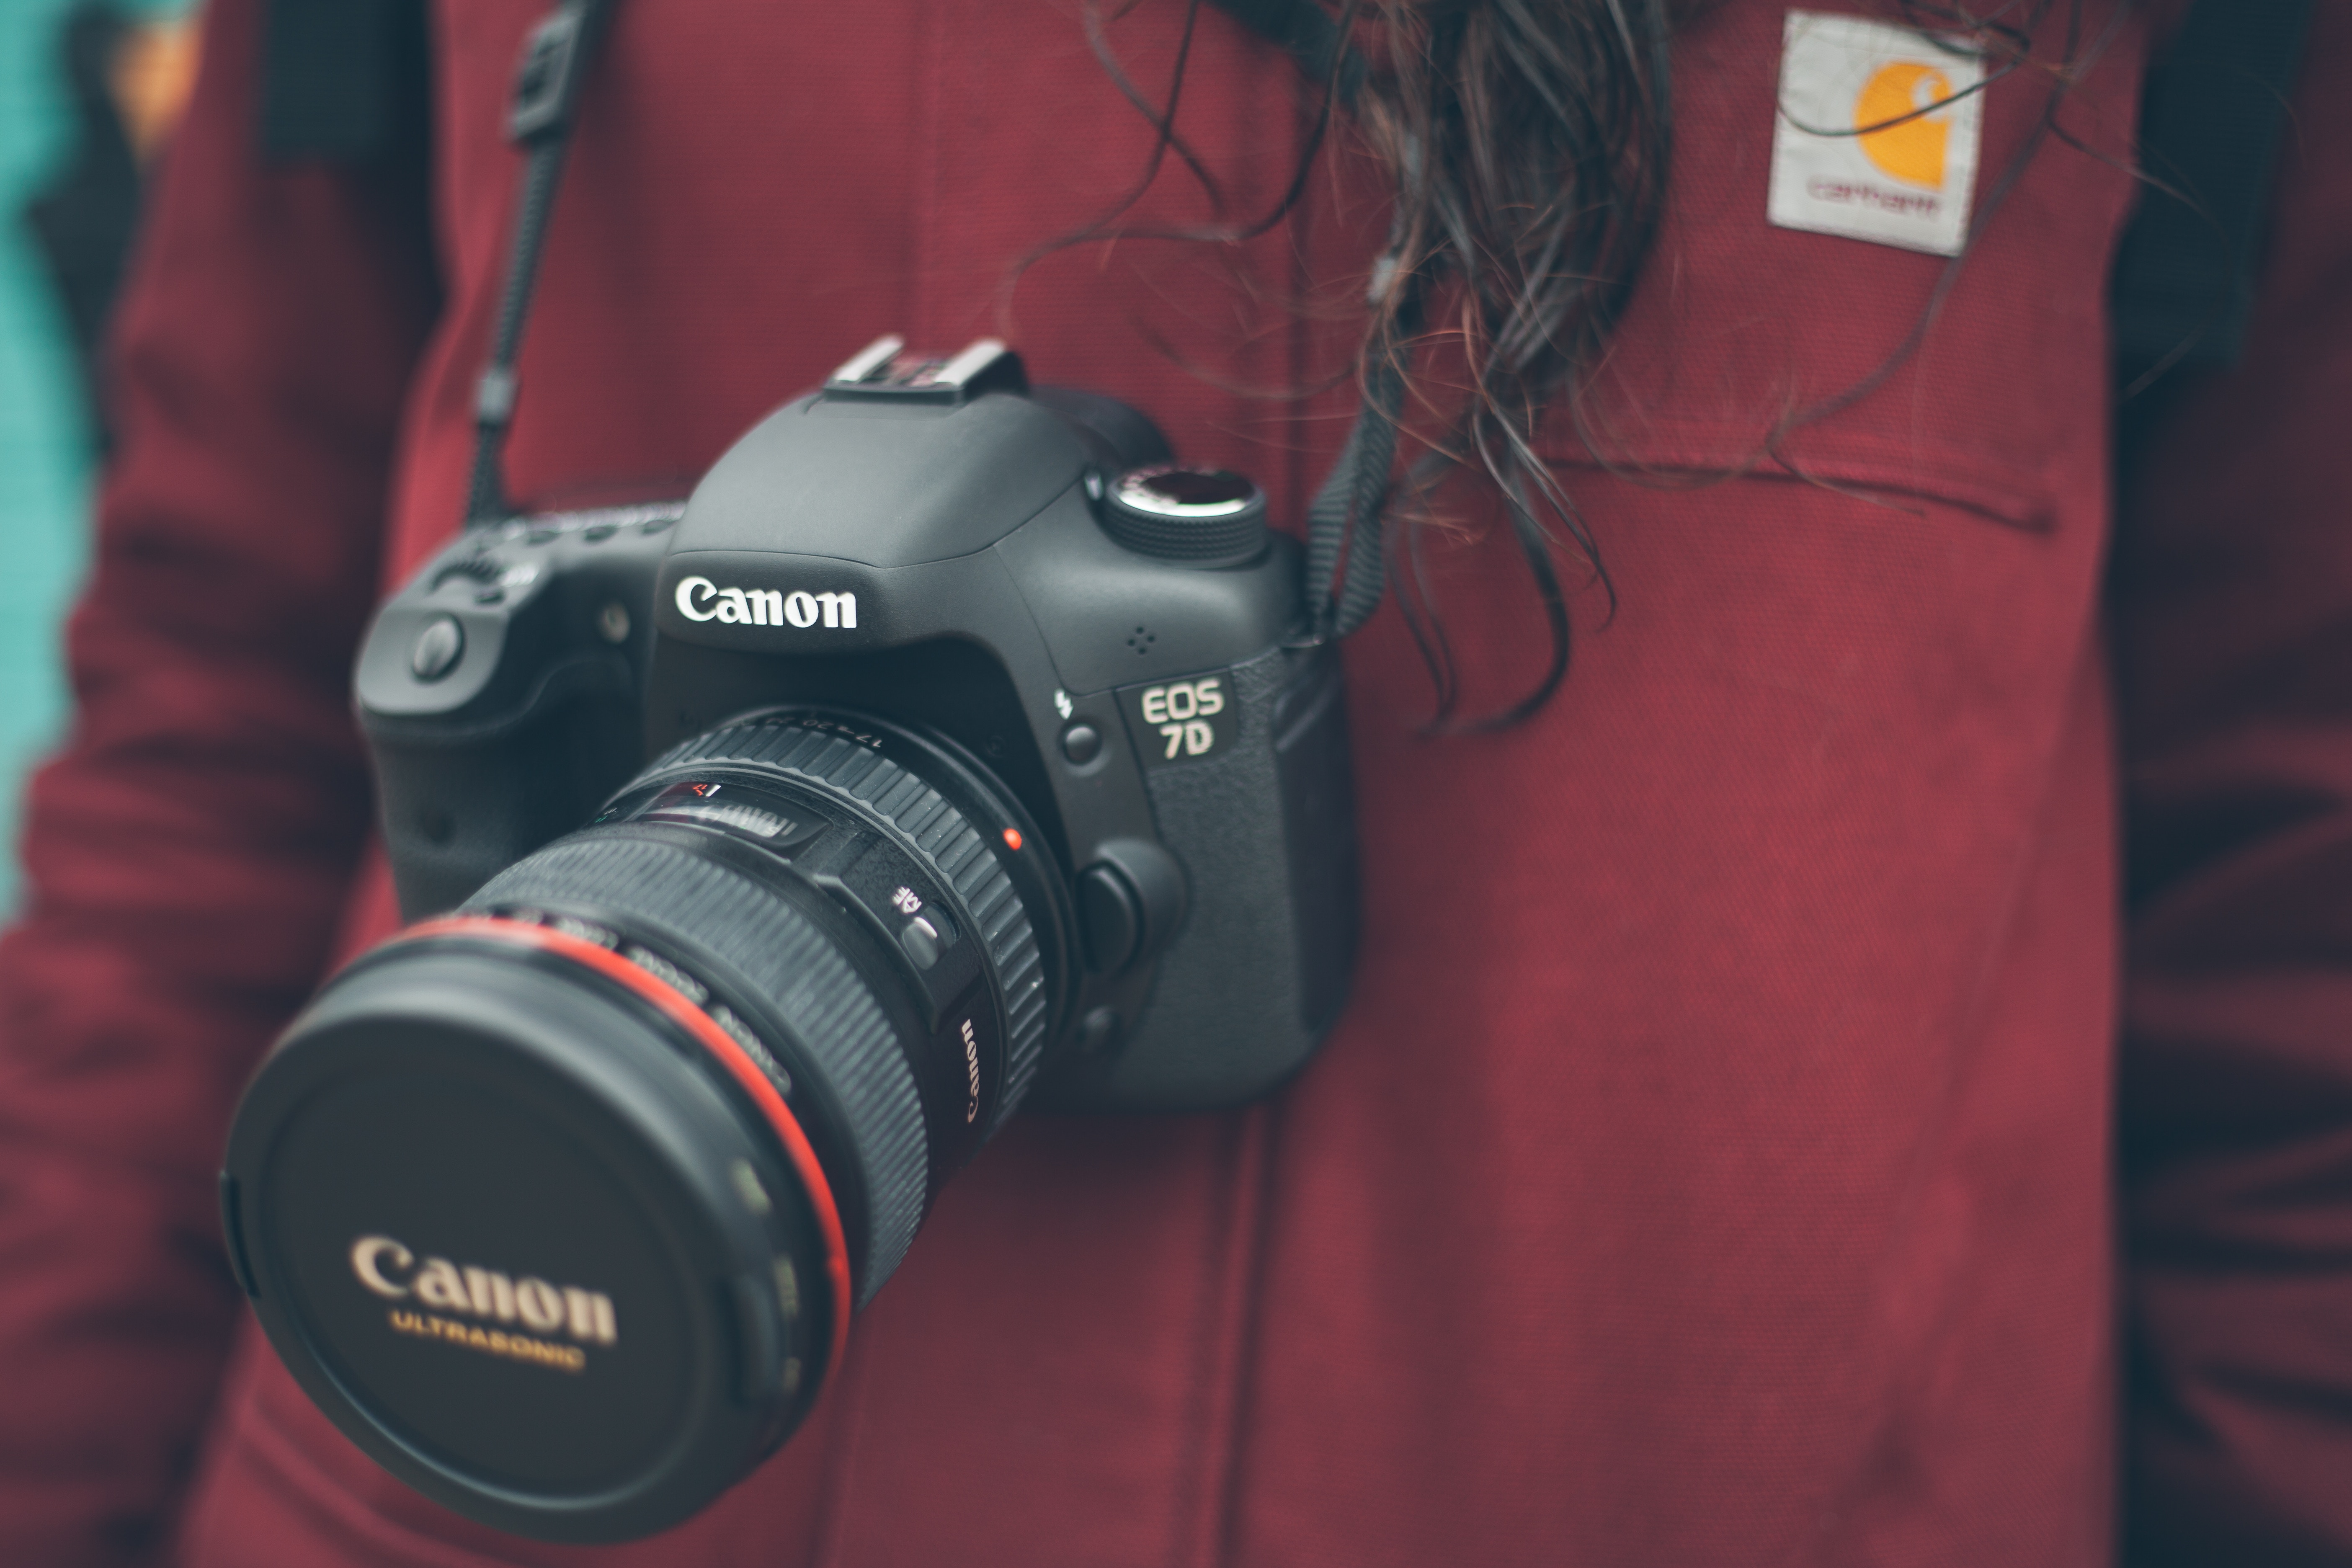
point(1528, 144)
point(1528, 141)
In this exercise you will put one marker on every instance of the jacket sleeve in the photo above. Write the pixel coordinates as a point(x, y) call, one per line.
point(2233, 640)
point(188, 851)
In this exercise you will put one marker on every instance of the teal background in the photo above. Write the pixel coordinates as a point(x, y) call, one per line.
point(45, 448)
point(44, 444)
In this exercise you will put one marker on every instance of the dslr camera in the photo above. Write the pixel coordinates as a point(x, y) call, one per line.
point(989, 767)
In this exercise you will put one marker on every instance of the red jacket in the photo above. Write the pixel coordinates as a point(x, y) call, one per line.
point(1716, 1163)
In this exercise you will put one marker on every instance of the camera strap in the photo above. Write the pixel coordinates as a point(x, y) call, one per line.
point(1346, 569)
point(1346, 566)
point(1346, 562)
point(540, 117)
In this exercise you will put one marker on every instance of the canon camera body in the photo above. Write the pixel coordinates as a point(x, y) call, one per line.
point(988, 766)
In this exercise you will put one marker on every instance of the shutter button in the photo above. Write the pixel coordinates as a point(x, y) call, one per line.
point(437, 648)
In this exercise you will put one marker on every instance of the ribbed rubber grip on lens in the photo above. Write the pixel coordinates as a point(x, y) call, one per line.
point(699, 904)
point(936, 832)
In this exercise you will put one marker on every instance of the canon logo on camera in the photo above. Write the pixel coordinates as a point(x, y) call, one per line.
point(394, 1272)
point(701, 599)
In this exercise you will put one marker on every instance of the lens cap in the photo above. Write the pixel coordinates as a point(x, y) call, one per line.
point(525, 1249)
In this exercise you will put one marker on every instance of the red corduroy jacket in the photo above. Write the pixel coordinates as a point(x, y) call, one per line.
point(1719, 1161)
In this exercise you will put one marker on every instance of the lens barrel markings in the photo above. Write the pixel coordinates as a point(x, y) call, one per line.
point(843, 757)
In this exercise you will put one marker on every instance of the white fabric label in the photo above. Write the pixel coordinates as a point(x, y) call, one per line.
point(1853, 154)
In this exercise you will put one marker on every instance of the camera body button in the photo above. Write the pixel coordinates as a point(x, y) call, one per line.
point(437, 648)
point(1110, 916)
point(922, 941)
point(1098, 1030)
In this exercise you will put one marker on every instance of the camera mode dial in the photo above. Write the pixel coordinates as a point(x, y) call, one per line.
point(1204, 518)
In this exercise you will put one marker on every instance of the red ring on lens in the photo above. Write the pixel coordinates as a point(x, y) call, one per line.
point(680, 1009)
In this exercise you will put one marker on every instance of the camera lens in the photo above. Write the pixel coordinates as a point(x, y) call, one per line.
point(560, 1205)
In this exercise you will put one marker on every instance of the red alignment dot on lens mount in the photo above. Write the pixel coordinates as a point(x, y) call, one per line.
point(1012, 838)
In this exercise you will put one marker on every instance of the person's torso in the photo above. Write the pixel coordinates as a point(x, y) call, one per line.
point(1710, 1166)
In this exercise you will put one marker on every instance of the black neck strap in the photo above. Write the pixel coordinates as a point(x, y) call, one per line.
point(540, 117)
point(1346, 570)
point(1346, 554)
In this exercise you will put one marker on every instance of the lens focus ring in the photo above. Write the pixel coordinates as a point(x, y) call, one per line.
point(936, 830)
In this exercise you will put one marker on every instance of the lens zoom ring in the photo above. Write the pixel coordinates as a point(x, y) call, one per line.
point(940, 835)
point(787, 959)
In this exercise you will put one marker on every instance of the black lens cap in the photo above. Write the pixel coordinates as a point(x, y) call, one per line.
point(524, 1247)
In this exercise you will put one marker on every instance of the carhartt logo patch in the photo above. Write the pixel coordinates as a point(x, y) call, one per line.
point(1877, 134)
